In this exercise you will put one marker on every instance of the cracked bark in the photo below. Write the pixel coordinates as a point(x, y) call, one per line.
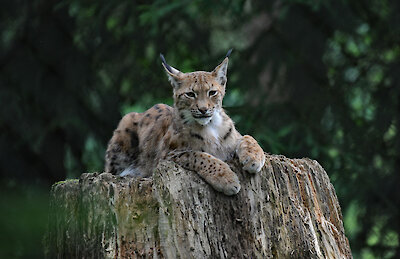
point(289, 210)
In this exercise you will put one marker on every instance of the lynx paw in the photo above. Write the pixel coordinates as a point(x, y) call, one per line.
point(232, 188)
point(226, 181)
point(251, 155)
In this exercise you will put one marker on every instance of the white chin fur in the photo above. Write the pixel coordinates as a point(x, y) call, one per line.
point(203, 121)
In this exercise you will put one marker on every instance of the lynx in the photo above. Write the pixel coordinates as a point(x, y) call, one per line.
point(196, 133)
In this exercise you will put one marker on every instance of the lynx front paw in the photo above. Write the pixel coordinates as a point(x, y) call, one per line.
point(251, 155)
point(214, 171)
point(226, 181)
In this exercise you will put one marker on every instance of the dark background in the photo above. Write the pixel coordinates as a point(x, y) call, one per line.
point(307, 78)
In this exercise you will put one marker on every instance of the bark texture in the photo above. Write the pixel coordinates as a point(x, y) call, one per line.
point(289, 210)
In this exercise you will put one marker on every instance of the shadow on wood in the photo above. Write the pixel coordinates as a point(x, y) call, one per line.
point(289, 210)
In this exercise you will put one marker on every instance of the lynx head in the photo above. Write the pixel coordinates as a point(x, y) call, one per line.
point(198, 95)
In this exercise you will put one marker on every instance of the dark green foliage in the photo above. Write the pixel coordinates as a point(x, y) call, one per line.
point(306, 78)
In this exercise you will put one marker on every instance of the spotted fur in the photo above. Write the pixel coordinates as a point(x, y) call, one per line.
point(196, 133)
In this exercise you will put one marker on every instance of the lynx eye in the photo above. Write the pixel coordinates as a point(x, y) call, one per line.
point(212, 93)
point(190, 94)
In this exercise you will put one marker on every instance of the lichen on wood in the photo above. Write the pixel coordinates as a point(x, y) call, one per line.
point(288, 210)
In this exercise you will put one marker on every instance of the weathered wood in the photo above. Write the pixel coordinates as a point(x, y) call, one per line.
point(289, 210)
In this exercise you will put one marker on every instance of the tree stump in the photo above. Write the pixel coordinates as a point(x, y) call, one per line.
point(289, 210)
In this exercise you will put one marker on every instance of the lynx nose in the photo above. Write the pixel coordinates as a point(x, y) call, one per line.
point(203, 110)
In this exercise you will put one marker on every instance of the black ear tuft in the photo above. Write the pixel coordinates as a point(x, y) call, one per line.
point(229, 53)
point(165, 63)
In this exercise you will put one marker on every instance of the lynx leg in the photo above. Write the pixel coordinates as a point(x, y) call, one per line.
point(211, 169)
point(250, 154)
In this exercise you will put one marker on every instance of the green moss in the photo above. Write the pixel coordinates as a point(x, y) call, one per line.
point(145, 212)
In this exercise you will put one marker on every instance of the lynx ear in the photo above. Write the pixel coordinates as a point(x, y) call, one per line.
point(221, 70)
point(174, 75)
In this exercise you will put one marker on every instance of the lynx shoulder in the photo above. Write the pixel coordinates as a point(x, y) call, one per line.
point(196, 133)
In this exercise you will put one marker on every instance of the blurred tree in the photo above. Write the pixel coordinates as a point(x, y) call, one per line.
point(307, 78)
